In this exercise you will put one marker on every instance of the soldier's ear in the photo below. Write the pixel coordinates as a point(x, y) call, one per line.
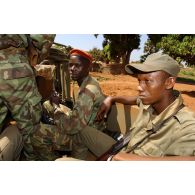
point(170, 82)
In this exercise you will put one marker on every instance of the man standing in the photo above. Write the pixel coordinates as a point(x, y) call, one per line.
point(164, 128)
point(18, 89)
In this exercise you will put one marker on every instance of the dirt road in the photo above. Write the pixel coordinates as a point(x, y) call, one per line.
point(127, 85)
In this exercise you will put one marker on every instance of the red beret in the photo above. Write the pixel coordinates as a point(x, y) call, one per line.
point(79, 52)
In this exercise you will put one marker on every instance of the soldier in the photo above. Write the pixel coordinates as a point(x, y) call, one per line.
point(18, 89)
point(71, 128)
point(164, 128)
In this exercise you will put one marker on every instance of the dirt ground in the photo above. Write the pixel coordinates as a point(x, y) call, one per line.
point(127, 85)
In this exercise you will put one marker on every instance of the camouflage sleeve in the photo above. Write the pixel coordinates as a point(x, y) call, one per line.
point(46, 71)
point(43, 42)
point(76, 120)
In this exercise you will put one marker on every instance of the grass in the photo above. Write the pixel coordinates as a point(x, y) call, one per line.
point(99, 78)
point(187, 75)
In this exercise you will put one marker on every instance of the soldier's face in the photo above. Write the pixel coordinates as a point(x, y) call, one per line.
point(78, 70)
point(152, 87)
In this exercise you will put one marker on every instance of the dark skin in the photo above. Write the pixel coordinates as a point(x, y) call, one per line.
point(79, 70)
point(155, 89)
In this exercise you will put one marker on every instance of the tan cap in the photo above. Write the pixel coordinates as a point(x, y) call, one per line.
point(155, 62)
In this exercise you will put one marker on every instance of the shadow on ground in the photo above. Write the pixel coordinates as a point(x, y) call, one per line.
point(185, 81)
point(190, 93)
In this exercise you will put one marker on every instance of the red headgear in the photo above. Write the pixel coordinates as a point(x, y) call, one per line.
point(79, 52)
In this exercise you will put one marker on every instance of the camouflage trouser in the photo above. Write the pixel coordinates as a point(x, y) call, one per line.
point(96, 141)
point(47, 140)
point(21, 97)
point(10, 143)
point(88, 138)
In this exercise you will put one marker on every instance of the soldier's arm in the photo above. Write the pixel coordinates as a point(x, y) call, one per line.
point(107, 103)
point(76, 120)
point(6, 43)
point(43, 43)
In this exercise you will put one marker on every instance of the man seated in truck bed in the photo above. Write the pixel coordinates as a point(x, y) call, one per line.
point(164, 128)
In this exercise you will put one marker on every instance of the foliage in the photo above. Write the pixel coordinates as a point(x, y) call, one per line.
point(118, 47)
point(97, 54)
point(151, 45)
point(190, 72)
point(179, 46)
point(121, 45)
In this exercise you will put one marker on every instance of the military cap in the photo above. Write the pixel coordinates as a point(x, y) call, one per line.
point(79, 52)
point(155, 62)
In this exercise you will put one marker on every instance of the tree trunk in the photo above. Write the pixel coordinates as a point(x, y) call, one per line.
point(125, 61)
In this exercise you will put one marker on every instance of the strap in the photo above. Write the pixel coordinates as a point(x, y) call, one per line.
point(73, 92)
point(154, 130)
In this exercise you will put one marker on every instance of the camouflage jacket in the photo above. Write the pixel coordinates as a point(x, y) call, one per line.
point(85, 109)
point(14, 60)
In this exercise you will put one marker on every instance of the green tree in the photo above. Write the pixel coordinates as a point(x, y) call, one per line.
point(118, 47)
point(97, 54)
point(179, 46)
point(151, 45)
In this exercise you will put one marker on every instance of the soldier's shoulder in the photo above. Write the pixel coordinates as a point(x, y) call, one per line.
point(186, 116)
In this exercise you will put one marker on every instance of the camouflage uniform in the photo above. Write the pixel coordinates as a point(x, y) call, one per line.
point(85, 109)
point(68, 126)
point(18, 89)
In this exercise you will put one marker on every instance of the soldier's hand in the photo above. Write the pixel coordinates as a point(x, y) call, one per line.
point(104, 108)
point(55, 98)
